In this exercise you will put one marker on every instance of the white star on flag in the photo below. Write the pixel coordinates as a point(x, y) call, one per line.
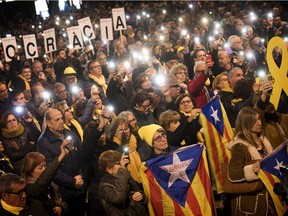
point(277, 167)
point(177, 169)
point(215, 115)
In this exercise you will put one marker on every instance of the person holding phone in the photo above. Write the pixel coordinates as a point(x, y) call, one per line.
point(68, 177)
point(119, 193)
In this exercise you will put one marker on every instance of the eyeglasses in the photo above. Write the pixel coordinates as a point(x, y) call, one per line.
point(11, 120)
point(19, 193)
point(160, 137)
point(96, 66)
point(185, 102)
point(200, 71)
point(120, 131)
point(132, 120)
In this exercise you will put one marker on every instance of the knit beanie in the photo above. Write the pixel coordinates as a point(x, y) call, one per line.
point(147, 132)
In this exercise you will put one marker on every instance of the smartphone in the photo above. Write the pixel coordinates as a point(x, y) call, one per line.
point(126, 151)
point(209, 59)
point(70, 145)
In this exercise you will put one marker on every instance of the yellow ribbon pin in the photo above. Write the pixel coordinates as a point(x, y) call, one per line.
point(279, 74)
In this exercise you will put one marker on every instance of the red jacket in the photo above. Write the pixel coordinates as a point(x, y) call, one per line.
point(198, 90)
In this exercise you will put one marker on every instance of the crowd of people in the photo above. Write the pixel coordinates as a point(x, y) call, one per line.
point(76, 125)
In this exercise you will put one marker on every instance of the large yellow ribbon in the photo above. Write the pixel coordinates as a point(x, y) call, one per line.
point(279, 74)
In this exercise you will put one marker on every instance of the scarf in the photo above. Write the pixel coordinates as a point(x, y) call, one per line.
point(101, 81)
point(12, 209)
point(14, 133)
point(135, 161)
point(77, 126)
point(26, 81)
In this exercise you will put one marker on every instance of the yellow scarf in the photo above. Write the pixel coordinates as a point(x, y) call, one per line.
point(135, 161)
point(26, 81)
point(77, 126)
point(101, 81)
point(13, 133)
point(12, 209)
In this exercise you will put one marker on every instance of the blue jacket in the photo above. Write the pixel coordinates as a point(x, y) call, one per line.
point(49, 145)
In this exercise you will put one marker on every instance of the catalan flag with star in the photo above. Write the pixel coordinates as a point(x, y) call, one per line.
point(270, 172)
point(178, 183)
point(217, 133)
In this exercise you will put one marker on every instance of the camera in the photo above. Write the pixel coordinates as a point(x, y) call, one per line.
point(126, 151)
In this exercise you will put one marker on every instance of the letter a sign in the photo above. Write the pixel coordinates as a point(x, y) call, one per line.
point(119, 20)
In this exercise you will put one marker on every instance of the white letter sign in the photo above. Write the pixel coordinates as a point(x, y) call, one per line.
point(106, 29)
point(119, 19)
point(30, 46)
point(49, 40)
point(10, 47)
point(86, 28)
point(75, 37)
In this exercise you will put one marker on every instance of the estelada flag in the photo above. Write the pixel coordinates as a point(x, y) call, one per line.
point(178, 183)
point(270, 172)
point(217, 133)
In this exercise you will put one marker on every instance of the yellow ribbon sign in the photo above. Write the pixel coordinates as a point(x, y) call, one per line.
point(279, 74)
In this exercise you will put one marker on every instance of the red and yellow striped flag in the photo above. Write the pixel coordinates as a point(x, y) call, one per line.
point(215, 141)
point(199, 199)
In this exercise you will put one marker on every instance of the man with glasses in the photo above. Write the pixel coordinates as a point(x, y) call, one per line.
point(14, 200)
point(96, 78)
point(61, 94)
point(68, 178)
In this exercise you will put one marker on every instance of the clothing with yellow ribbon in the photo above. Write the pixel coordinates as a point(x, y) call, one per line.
point(135, 161)
point(26, 81)
point(100, 81)
point(77, 126)
point(14, 210)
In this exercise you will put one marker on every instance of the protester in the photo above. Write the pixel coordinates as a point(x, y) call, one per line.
point(119, 193)
point(248, 147)
point(14, 200)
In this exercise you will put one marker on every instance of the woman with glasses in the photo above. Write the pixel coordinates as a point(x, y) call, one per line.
point(140, 106)
point(16, 138)
point(39, 180)
point(132, 121)
point(155, 137)
point(189, 116)
point(69, 122)
point(119, 133)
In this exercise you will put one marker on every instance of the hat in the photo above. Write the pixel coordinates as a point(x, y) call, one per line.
point(168, 56)
point(147, 132)
point(69, 71)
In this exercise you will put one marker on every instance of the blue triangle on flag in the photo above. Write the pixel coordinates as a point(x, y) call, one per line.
point(278, 158)
point(174, 171)
point(213, 113)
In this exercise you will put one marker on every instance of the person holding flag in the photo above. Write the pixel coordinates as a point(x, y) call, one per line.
point(247, 148)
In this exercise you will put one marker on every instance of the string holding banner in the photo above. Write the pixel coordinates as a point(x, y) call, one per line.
point(279, 74)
